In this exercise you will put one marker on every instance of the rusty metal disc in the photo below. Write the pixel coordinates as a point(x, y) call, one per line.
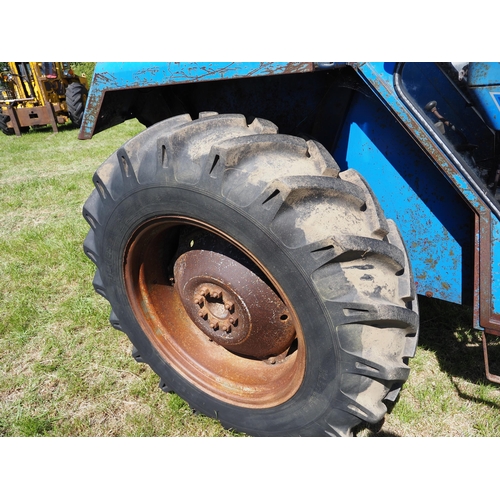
point(232, 305)
point(214, 312)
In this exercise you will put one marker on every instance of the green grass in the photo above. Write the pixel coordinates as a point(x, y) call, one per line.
point(65, 372)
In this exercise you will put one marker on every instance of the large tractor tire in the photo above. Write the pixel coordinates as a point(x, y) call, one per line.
point(76, 97)
point(262, 285)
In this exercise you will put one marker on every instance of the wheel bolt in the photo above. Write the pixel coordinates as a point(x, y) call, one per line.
point(229, 305)
point(198, 299)
point(202, 314)
point(215, 295)
point(214, 325)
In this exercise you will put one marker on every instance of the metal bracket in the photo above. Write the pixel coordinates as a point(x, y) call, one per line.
point(491, 377)
point(52, 116)
point(11, 111)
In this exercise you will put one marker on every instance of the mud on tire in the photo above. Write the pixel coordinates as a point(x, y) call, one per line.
point(261, 284)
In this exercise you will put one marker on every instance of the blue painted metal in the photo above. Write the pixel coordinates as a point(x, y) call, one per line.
point(417, 174)
point(382, 79)
point(380, 76)
point(484, 81)
point(424, 82)
point(495, 266)
point(110, 76)
point(431, 215)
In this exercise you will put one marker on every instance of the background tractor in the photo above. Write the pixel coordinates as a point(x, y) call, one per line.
point(40, 93)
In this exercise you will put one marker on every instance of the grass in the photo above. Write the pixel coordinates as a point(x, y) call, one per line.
point(447, 393)
point(65, 372)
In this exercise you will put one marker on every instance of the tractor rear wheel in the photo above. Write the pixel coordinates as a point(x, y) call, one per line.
point(76, 97)
point(262, 285)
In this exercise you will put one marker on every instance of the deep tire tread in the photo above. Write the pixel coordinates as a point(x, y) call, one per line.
point(76, 95)
point(232, 160)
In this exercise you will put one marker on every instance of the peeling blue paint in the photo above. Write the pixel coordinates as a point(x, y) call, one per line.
point(434, 222)
point(127, 75)
point(495, 266)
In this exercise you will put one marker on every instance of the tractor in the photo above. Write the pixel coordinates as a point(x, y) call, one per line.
point(264, 240)
point(35, 94)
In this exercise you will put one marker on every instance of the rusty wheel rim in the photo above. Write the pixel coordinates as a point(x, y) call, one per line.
point(214, 313)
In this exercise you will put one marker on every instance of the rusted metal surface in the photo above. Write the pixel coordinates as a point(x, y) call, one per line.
point(39, 115)
point(489, 319)
point(14, 120)
point(297, 67)
point(477, 277)
point(232, 305)
point(184, 302)
point(490, 376)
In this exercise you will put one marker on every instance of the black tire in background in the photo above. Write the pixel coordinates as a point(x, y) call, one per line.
point(76, 97)
point(4, 119)
point(189, 215)
point(3, 125)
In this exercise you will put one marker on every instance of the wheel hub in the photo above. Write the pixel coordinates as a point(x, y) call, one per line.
point(217, 316)
point(231, 305)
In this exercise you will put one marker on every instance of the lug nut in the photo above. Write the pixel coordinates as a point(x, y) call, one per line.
point(214, 325)
point(229, 305)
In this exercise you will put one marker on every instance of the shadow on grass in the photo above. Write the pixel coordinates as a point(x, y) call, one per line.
point(376, 430)
point(47, 129)
point(446, 329)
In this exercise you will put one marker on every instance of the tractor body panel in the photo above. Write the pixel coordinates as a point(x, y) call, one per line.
point(130, 75)
point(431, 174)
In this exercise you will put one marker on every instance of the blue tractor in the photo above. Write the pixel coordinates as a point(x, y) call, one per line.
point(263, 241)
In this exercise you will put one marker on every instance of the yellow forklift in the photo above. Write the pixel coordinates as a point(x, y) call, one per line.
point(36, 94)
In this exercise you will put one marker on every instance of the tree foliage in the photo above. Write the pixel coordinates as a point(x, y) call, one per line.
point(84, 68)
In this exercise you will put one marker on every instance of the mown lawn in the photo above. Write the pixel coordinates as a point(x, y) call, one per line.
point(65, 372)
